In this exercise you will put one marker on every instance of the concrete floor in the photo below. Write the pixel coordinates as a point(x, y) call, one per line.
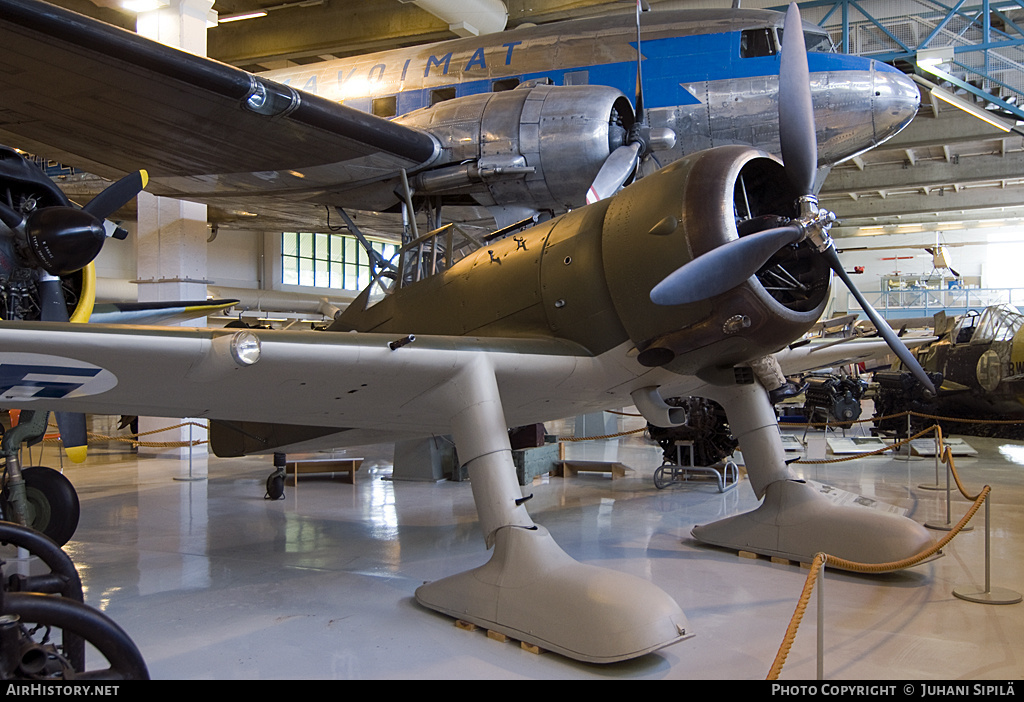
point(214, 582)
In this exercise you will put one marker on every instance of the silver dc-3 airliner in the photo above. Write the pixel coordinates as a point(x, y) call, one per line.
point(524, 121)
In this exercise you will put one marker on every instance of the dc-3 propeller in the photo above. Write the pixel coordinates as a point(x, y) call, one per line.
point(729, 265)
point(60, 240)
point(623, 162)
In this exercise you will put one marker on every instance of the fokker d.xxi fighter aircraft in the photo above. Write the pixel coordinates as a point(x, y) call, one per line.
point(653, 292)
point(437, 122)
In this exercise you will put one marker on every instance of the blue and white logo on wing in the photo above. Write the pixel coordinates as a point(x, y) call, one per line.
point(34, 376)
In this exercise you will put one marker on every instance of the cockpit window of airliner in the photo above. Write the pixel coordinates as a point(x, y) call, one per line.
point(757, 42)
point(815, 41)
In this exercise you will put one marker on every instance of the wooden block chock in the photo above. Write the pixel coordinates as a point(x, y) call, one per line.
point(464, 625)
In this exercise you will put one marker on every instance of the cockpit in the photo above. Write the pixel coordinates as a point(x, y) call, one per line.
point(996, 323)
point(430, 254)
point(766, 41)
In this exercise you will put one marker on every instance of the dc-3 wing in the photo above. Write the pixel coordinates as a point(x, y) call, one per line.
point(113, 100)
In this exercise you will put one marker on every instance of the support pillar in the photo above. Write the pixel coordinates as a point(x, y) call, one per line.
point(172, 234)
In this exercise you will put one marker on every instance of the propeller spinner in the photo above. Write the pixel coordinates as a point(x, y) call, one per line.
point(729, 265)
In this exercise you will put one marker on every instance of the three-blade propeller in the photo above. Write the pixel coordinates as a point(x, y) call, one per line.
point(61, 240)
point(729, 265)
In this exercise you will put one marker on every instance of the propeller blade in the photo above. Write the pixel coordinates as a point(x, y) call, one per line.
point(723, 268)
point(615, 171)
point(884, 330)
point(73, 435)
point(640, 114)
point(796, 109)
point(71, 424)
point(52, 307)
point(115, 196)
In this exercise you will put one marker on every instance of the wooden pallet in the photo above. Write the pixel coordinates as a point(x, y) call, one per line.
point(498, 636)
point(774, 559)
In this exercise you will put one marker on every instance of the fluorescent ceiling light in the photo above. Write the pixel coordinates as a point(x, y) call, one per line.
point(144, 5)
point(970, 108)
point(933, 57)
point(263, 11)
point(241, 16)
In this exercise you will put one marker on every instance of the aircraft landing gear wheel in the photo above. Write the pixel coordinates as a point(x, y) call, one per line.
point(661, 479)
point(275, 487)
point(53, 507)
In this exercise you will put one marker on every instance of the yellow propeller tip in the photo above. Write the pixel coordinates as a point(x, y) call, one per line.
point(145, 178)
point(76, 454)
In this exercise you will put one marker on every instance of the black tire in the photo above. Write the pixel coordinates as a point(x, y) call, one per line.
point(275, 487)
point(53, 503)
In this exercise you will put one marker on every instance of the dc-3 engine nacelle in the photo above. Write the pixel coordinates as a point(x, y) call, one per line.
point(537, 146)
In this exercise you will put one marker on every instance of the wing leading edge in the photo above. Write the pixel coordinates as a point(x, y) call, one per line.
point(109, 101)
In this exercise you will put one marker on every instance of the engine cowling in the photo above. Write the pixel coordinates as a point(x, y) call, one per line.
point(535, 146)
point(720, 195)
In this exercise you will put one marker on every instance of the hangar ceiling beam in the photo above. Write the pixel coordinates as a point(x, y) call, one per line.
point(951, 127)
point(342, 28)
point(890, 177)
point(467, 18)
point(302, 32)
point(938, 205)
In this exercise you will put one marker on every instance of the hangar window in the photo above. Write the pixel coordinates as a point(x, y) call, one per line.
point(325, 260)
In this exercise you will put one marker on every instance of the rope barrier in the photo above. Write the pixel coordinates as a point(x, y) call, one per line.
point(132, 438)
point(605, 436)
point(905, 413)
point(821, 558)
point(794, 623)
point(854, 457)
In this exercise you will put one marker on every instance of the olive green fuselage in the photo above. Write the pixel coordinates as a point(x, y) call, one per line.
point(586, 277)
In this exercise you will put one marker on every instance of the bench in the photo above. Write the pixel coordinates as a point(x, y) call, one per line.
point(325, 465)
point(569, 469)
